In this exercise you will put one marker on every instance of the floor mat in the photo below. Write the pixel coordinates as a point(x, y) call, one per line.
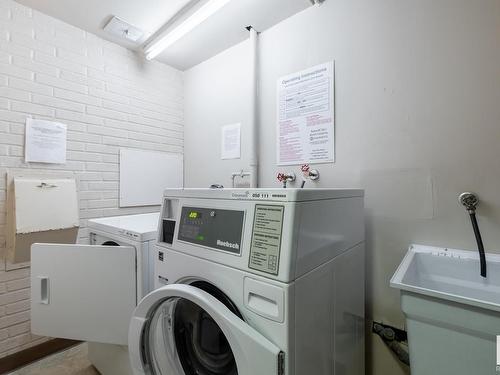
point(72, 361)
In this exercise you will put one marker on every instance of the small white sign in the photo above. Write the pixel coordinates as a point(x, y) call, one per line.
point(45, 141)
point(305, 109)
point(231, 141)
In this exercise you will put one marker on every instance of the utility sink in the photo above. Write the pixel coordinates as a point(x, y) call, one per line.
point(450, 274)
point(452, 313)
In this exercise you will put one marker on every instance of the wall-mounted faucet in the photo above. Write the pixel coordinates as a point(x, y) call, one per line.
point(241, 174)
point(308, 174)
point(286, 177)
point(470, 201)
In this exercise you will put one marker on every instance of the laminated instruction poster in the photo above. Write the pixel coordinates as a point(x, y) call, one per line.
point(306, 132)
point(265, 247)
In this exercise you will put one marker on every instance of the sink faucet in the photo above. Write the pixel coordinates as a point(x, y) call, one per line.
point(470, 201)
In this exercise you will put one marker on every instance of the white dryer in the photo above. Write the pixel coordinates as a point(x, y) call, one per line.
point(139, 231)
point(256, 282)
point(88, 292)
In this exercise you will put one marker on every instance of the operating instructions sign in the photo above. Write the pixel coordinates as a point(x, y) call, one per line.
point(305, 108)
point(266, 238)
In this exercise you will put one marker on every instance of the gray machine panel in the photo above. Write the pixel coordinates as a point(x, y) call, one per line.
point(214, 228)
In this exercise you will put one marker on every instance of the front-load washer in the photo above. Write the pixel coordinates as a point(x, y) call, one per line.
point(255, 282)
point(79, 292)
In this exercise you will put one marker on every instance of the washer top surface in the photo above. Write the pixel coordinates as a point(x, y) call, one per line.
point(272, 194)
point(142, 227)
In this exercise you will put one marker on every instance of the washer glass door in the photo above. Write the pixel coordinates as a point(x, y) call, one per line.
point(184, 330)
point(182, 335)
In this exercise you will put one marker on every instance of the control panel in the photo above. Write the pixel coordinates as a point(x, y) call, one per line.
point(223, 229)
point(215, 228)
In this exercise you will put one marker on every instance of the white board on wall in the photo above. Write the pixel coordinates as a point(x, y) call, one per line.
point(144, 175)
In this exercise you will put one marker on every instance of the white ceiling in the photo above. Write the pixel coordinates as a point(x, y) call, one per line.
point(227, 27)
point(223, 30)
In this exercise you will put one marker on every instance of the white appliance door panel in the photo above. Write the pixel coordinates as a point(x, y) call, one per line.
point(253, 353)
point(83, 292)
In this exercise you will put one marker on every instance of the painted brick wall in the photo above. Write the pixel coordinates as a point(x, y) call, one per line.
point(108, 97)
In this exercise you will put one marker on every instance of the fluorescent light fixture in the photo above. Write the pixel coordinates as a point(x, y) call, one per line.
point(166, 40)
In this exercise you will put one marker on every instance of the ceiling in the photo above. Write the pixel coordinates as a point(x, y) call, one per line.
point(93, 15)
point(221, 31)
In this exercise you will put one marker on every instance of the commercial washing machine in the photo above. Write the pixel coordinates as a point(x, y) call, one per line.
point(255, 282)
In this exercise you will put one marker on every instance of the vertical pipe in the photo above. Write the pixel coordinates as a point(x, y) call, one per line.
point(253, 121)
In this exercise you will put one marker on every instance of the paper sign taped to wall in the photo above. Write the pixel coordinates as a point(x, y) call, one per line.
point(45, 142)
point(231, 142)
point(306, 116)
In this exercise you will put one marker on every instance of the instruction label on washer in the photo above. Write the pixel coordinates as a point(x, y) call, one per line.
point(266, 238)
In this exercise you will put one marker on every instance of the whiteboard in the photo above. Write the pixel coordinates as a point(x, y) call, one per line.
point(144, 175)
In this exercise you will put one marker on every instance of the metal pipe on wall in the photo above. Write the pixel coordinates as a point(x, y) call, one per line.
point(253, 122)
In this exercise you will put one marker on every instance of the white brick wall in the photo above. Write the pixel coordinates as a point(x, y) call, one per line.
point(108, 97)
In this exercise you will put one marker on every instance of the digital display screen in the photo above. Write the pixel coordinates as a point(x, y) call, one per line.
point(194, 215)
point(212, 227)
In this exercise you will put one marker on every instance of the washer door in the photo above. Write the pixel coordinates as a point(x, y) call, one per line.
point(183, 330)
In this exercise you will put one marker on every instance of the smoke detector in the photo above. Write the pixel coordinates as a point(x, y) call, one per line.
point(121, 29)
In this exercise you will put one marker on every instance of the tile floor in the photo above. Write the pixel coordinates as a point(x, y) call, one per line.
point(72, 361)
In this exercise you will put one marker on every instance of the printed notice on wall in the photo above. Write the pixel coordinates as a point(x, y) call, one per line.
point(306, 116)
point(266, 238)
point(45, 142)
point(231, 141)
